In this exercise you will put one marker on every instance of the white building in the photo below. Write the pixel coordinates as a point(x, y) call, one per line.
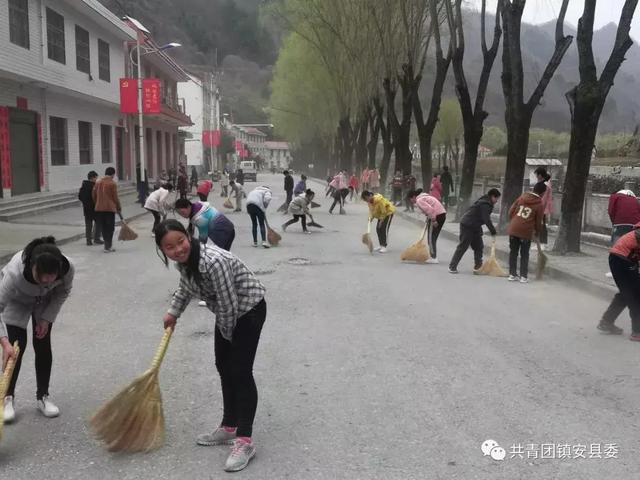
point(277, 155)
point(60, 65)
point(201, 100)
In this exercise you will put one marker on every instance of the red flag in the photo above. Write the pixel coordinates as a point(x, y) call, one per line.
point(128, 95)
point(206, 138)
point(238, 145)
point(215, 138)
point(151, 95)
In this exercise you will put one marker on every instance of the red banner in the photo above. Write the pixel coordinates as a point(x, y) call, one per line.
point(151, 95)
point(206, 138)
point(211, 138)
point(238, 145)
point(215, 138)
point(128, 95)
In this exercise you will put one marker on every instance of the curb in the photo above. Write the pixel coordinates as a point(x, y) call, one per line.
point(601, 290)
point(72, 238)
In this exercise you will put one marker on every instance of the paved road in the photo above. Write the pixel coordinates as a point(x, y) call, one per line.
point(367, 368)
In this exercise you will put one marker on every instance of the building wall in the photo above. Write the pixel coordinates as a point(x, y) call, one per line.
point(194, 97)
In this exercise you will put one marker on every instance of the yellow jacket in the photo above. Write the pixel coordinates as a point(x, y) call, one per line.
point(380, 207)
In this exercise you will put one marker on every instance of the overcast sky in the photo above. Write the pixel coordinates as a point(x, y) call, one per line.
point(540, 11)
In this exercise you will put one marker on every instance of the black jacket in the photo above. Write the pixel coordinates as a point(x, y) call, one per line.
point(288, 183)
point(479, 214)
point(85, 196)
point(447, 182)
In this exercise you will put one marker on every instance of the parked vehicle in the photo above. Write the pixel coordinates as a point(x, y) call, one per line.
point(250, 171)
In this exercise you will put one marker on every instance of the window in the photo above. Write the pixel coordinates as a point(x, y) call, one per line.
point(105, 136)
point(55, 36)
point(83, 56)
point(19, 22)
point(58, 138)
point(85, 142)
point(104, 64)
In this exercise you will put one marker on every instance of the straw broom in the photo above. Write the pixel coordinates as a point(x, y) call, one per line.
point(133, 421)
point(126, 232)
point(273, 237)
point(227, 203)
point(419, 251)
point(542, 261)
point(491, 266)
point(366, 237)
point(5, 380)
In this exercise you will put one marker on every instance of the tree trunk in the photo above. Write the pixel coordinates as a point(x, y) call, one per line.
point(361, 143)
point(517, 145)
point(372, 145)
point(346, 144)
point(471, 143)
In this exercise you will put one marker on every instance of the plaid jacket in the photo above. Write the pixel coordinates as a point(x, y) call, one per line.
point(228, 286)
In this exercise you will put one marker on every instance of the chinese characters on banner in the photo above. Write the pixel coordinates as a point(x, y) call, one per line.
point(128, 95)
point(211, 138)
point(151, 95)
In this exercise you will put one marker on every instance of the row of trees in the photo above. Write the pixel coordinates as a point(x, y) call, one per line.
point(350, 73)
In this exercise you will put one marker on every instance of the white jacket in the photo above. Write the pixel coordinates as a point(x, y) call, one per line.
point(299, 205)
point(158, 201)
point(260, 196)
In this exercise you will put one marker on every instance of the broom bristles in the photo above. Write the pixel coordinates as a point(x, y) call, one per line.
point(126, 233)
point(491, 266)
point(366, 239)
point(227, 203)
point(5, 380)
point(417, 252)
point(273, 237)
point(542, 262)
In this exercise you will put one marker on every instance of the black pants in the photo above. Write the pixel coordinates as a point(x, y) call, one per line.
point(257, 216)
point(434, 232)
point(397, 195)
point(289, 197)
point(303, 219)
point(625, 273)
point(544, 233)
point(203, 197)
point(156, 219)
point(107, 222)
point(222, 232)
point(339, 197)
point(234, 361)
point(382, 229)
point(521, 246)
point(43, 357)
point(469, 237)
point(445, 196)
point(91, 227)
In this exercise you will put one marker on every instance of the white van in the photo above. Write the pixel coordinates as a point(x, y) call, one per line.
point(249, 170)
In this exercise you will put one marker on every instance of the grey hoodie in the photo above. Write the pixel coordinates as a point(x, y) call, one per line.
point(20, 299)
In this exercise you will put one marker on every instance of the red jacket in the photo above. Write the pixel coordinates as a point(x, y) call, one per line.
point(624, 209)
point(627, 245)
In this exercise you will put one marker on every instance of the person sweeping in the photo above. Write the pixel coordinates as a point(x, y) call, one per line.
point(526, 217)
point(236, 297)
point(299, 208)
point(471, 223)
point(209, 222)
point(257, 203)
point(381, 209)
point(436, 216)
point(34, 286)
point(158, 203)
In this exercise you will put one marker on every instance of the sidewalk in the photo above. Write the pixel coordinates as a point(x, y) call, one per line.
point(66, 225)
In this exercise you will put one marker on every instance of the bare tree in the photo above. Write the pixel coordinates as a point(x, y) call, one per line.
point(586, 101)
point(518, 113)
point(473, 116)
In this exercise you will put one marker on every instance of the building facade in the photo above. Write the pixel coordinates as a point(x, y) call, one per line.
point(277, 155)
point(60, 65)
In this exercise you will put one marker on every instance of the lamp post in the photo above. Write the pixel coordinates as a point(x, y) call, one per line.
point(137, 62)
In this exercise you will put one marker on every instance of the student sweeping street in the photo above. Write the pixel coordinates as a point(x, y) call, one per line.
point(236, 297)
point(382, 210)
point(301, 186)
point(237, 190)
point(475, 217)
point(158, 203)
point(288, 189)
point(107, 204)
point(547, 203)
point(34, 286)
point(203, 189)
point(85, 195)
point(623, 262)
point(436, 216)
point(526, 217)
point(624, 212)
point(257, 203)
point(209, 222)
point(436, 187)
point(353, 186)
point(340, 186)
point(299, 208)
point(447, 185)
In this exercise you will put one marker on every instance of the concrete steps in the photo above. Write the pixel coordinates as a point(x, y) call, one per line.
point(35, 204)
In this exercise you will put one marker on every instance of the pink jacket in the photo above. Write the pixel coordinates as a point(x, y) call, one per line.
point(436, 188)
point(339, 182)
point(430, 205)
point(547, 199)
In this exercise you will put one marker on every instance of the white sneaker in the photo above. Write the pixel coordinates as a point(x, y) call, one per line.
point(608, 275)
point(219, 437)
point(524, 280)
point(47, 407)
point(265, 245)
point(377, 249)
point(383, 250)
point(241, 453)
point(9, 412)
point(202, 303)
point(433, 261)
point(513, 278)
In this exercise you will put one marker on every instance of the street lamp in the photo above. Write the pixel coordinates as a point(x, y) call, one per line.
point(146, 51)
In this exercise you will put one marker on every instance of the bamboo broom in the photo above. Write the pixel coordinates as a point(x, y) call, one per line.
point(491, 266)
point(366, 237)
point(273, 237)
point(133, 420)
point(417, 252)
point(542, 261)
point(126, 232)
point(5, 380)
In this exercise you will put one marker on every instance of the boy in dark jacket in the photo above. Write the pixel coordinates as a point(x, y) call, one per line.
point(471, 223)
point(525, 221)
point(88, 208)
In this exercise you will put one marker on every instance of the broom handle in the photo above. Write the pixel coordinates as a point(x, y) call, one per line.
point(162, 349)
point(493, 248)
point(5, 380)
point(369, 226)
point(424, 231)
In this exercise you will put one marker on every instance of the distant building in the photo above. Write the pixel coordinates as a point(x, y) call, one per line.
point(277, 155)
point(60, 66)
